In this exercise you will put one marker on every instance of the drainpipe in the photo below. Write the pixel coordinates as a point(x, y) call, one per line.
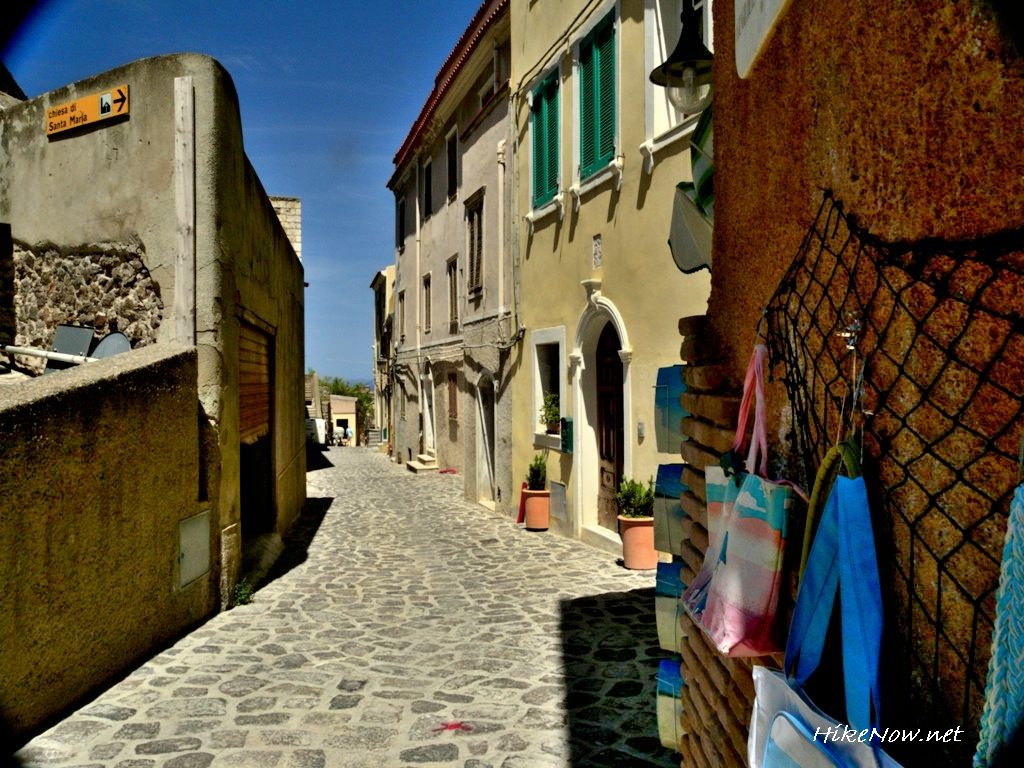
point(501, 230)
point(416, 277)
point(416, 295)
point(514, 229)
point(60, 357)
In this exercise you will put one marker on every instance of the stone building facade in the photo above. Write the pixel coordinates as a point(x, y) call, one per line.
point(155, 221)
point(455, 316)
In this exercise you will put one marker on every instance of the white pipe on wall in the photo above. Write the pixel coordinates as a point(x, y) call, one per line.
point(501, 230)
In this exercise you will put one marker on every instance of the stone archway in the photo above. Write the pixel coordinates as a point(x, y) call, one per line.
point(595, 391)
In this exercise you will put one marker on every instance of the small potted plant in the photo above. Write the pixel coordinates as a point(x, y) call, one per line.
point(536, 496)
point(636, 524)
point(551, 414)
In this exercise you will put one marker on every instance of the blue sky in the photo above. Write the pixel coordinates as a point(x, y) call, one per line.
point(328, 91)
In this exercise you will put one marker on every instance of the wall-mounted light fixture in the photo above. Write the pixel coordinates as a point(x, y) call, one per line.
point(687, 68)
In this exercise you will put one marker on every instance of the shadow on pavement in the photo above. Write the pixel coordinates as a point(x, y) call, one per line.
point(316, 457)
point(299, 537)
point(610, 653)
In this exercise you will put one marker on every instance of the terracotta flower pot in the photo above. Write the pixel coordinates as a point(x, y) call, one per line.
point(537, 509)
point(638, 552)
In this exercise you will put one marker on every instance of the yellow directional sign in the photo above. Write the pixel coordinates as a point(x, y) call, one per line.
point(87, 110)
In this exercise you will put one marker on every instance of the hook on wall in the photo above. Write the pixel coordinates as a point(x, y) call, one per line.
point(762, 326)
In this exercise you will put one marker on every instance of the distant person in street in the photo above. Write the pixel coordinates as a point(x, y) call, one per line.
point(348, 435)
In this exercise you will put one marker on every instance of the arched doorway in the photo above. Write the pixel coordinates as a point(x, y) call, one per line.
point(609, 426)
point(485, 440)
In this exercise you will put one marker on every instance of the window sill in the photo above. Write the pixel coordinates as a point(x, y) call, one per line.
point(554, 204)
point(669, 138)
point(611, 171)
point(544, 440)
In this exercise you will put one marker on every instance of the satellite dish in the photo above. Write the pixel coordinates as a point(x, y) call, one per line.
point(112, 344)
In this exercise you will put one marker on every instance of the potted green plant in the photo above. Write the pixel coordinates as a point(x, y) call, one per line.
point(536, 496)
point(551, 414)
point(636, 524)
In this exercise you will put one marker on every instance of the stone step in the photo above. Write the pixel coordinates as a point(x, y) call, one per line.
point(419, 466)
point(426, 458)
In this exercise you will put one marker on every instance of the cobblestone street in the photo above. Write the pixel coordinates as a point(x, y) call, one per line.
point(402, 626)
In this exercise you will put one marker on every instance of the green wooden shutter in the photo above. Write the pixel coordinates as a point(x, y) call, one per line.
point(605, 138)
point(588, 107)
point(597, 98)
point(551, 132)
point(545, 140)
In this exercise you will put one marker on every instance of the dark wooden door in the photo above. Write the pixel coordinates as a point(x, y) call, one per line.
point(609, 426)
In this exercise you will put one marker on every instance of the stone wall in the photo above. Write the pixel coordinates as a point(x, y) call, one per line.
point(166, 263)
point(919, 142)
point(94, 484)
point(289, 211)
point(106, 285)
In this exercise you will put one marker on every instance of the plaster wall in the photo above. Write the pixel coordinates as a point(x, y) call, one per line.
point(467, 350)
point(113, 183)
point(98, 466)
point(640, 288)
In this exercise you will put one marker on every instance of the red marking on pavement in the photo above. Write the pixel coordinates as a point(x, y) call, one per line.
point(454, 725)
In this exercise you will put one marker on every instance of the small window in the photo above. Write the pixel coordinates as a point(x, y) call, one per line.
point(549, 384)
point(453, 165)
point(597, 98)
point(452, 274)
point(428, 189)
point(548, 356)
point(544, 126)
point(453, 396)
point(426, 303)
point(475, 242)
point(401, 316)
point(485, 93)
point(400, 223)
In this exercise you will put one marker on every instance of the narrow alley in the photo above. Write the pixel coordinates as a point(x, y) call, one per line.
point(402, 626)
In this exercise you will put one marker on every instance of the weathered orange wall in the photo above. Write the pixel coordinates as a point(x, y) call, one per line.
point(910, 112)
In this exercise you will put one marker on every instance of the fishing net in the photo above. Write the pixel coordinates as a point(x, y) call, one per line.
point(921, 346)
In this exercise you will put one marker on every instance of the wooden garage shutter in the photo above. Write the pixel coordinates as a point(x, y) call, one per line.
point(254, 390)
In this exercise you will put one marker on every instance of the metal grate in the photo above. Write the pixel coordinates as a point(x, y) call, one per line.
point(932, 332)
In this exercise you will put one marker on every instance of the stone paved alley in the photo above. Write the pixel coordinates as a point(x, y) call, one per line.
point(403, 626)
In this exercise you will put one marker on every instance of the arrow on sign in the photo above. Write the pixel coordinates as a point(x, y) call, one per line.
point(120, 100)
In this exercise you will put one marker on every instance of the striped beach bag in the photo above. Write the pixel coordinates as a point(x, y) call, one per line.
point(735, 597)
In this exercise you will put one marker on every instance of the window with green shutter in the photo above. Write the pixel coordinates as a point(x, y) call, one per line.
point(597, 97)
point(545, 140)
